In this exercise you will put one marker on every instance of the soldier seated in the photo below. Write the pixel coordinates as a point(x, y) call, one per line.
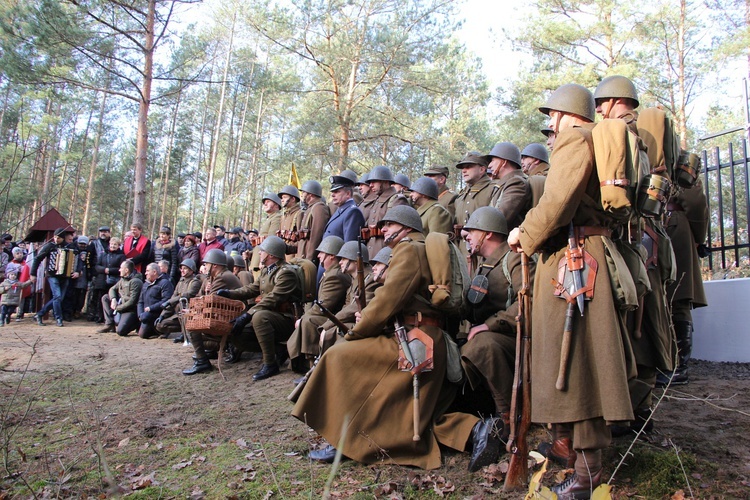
point(218, 278)
point(488, 357)
point(304, 342)
point(271, 317)
point(187, 288)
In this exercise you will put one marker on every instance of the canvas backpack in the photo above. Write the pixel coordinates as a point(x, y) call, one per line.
point(307, 275)
point(449, 272)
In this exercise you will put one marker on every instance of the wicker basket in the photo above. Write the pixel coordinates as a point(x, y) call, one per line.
point(212, 314)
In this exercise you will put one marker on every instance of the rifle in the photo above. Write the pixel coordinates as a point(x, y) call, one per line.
point(361, 298)
point(343, 330)
point(520, 404)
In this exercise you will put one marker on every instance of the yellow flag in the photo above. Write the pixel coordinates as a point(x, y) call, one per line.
point(293, 179)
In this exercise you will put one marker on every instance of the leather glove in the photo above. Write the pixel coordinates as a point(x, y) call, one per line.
point(223, 293)
point(239, 322)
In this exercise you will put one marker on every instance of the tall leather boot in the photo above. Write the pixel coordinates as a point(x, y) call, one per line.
point(586, 478)
point(684, 333)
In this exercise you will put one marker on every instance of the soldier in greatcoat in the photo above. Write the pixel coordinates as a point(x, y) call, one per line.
point(513, 195)
point(435, 217)
point(479, 191)
point(291, 218)
point(595, 387)
point(305, 340)
point(314, 221)
point(379, 412)
point(687, 226)
point(446, 196)
point(381, 184)
point(269, 226)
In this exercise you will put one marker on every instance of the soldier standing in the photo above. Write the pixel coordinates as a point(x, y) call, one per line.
point(513, 195)
point(478, 192)
point(446, 197)
point(435, 217)
point(313, 222)
point(368, 198)
point(589, 396)
point(535, 164)
point(272, 223)
point(381, 185)
point(291, 218)
point(651, 336)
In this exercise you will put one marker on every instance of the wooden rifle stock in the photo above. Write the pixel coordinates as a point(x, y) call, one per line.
point(520, 405)
point(361, 298)
point(328, 314)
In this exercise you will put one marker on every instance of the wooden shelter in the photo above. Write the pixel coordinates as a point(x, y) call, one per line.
point(45, 227)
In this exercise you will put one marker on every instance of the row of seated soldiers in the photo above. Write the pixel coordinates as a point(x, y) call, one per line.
point(636, 279)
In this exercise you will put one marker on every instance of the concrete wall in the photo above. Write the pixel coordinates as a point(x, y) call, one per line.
point(722, 330)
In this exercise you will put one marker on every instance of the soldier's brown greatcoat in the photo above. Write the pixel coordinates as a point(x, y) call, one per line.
point(512, 197)
point(373, 393)
point(313, 223)
point(435, 218)
point(601, 358)
point(387, 199)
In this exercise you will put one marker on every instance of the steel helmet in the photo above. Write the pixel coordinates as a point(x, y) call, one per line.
point(290, 190)
point(507, 151)
point(402, 180)
point(488, 219)
point(215, 256)
point(349, 174)
point(536, 150)
point(274, 198)
point(573, 99)
point(349, 251)
point(383, 256)
point(380, 173)
point(426, 186)
point(547, 131)
point(273, 245)
point(364, 178)
point(190, 264)
point(330, 245)
point(404, 215)
point(312, 187)
point(230, 261)
point(616, 87)
point(239, 261)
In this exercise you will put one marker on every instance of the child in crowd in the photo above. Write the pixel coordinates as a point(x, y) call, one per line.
point(11, 290)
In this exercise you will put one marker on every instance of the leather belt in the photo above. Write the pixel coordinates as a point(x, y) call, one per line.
point(420, 319)
point(585, 231)
point(674, 207)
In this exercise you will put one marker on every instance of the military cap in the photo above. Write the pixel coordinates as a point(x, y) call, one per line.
point(472, 158)
point(438, 171)
point(340, 181)
point(103, 228)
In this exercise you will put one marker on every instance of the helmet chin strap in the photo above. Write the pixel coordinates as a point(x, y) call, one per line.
point(392, 237)
point(475, 248)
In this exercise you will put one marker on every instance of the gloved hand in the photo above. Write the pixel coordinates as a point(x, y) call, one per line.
point(223, 293)
point(240, 322)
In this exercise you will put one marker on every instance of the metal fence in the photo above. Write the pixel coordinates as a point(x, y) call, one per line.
point(728, 195)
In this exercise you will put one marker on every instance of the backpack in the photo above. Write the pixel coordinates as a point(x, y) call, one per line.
point(450, 274)
point(657, 131)
point(618, 166)
point(307, 276)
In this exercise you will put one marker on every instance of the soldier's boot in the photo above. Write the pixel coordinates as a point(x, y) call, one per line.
point(560, 451)
point(684, 332)
point(199, 365)
point(586, 478)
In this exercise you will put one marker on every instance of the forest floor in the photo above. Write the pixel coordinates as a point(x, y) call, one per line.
point(97, 415)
